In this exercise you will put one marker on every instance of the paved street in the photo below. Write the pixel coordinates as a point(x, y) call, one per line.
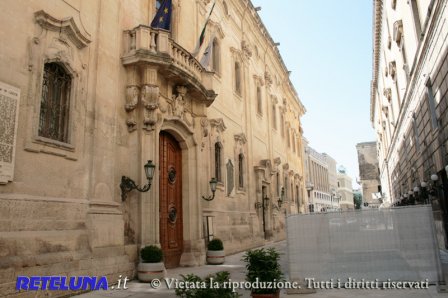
point(236, 268)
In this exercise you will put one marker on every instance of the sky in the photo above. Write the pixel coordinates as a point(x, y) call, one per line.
point(327, 45)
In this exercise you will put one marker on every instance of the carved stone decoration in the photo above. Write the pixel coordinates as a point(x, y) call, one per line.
point(398, 32)
point(392, 69)
point(204, 126)
point(178, 103)
point(59, 50)
point(388, 94)
point(240, 139)
point(218, 124)
point(74, 31)
point(150, 100)
point(268, 78)
point(277, 161)
point(132, 93)
point(246, 49)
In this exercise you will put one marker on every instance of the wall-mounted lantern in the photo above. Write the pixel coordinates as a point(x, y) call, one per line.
point(213, 182)
point(127, 184)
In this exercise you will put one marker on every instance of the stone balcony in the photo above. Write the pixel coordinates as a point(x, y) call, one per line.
point(147, 46)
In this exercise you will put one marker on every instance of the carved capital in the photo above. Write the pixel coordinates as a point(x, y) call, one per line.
point(240, 139)
point(277, 161)
point(218, 124)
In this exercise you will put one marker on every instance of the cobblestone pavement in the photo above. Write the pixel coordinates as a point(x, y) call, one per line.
point(236, 268)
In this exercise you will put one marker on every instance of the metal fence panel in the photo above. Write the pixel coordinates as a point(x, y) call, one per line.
point(397, 244)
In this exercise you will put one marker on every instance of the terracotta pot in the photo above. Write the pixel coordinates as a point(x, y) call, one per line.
point(215, 257)
point(274, 295)
point(149, 271)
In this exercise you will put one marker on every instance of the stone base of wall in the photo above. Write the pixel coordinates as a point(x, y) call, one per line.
point(50, 237)
point(243, 231)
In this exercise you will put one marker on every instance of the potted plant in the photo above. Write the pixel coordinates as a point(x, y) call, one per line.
point(151, 265)
point(263, 267)
point(214, 285)
point(215, 252)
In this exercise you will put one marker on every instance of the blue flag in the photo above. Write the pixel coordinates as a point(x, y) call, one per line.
point(162, 19)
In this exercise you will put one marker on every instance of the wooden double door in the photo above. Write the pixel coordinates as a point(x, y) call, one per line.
point(170, 200)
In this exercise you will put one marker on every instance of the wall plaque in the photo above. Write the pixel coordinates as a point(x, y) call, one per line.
point(9, 112)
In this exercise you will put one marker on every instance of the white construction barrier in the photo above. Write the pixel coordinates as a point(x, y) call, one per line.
point(389, 244)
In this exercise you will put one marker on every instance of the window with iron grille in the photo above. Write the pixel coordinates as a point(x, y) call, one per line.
point(55, 103)
point(218, 148)
point(240, 170)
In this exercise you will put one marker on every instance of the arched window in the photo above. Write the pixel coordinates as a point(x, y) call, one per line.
point(259, 103)
point(237, 78)
point(240, 170)
point(215, 56)
point(218, 153)
point(55, 103)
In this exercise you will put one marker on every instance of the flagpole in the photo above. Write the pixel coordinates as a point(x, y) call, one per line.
point(201, 36)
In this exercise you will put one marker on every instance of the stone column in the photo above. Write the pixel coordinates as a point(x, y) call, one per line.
point(149, 150)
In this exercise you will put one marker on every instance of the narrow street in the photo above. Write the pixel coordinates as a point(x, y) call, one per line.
point(236, 267)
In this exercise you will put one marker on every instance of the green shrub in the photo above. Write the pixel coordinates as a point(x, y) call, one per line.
point(263, 264)
point(151, 254)
point(204, 289)
point(215, 244)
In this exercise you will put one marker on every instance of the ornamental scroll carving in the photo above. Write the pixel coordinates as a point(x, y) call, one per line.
point(150, 100)
point(132, 93)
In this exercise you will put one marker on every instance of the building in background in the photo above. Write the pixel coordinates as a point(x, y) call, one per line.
point(90, 92)
point(321, 180)
point(369, 174)
point(345, 190)
point(409, 95)
point(409, 102)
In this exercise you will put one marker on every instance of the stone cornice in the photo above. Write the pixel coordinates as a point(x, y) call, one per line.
point(377, 27)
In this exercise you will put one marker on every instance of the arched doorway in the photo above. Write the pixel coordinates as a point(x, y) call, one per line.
point(170, 199)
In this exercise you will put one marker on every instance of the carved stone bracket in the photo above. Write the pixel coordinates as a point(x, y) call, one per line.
point(388, 94)
point(268, 78)
point(204, 126)
point(132, 93)
point(150, 100)
point(247, 51)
